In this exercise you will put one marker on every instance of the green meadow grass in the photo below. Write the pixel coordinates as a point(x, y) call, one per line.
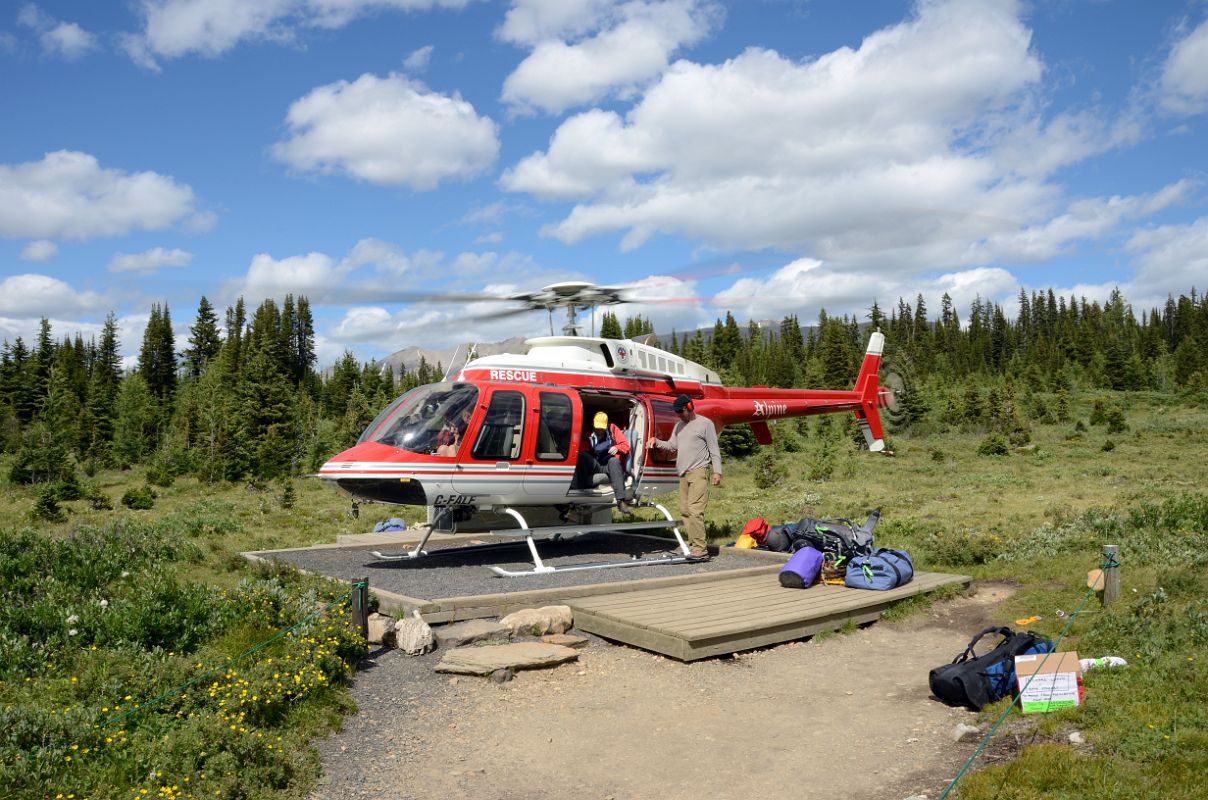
point(1037, 517)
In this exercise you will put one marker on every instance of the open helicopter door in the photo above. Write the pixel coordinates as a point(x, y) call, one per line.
point(637, 447)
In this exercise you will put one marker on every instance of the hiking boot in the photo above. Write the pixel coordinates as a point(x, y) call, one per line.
point(624, 507)
point(699, 554)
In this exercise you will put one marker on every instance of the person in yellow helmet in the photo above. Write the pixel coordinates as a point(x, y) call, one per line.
point(604, 452)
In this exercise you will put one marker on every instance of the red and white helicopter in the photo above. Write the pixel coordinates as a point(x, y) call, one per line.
point(504, 435)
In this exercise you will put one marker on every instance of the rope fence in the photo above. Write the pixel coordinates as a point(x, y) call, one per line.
point(1110, 562)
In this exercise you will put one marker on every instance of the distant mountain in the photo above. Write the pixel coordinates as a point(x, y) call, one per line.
point(408, 358)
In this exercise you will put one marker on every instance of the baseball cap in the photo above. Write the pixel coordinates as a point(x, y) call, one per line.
point(681, 402)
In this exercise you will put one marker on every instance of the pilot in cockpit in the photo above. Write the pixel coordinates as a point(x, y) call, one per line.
point(451, 433)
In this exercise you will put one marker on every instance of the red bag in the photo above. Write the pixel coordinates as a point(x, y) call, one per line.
point(757, 529)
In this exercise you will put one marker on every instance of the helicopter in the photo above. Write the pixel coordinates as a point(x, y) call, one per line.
point(503, 436)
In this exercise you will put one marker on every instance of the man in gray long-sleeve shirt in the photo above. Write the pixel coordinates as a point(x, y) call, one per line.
point(695, 442)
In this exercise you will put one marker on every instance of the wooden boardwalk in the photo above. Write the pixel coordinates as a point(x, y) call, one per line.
point(694, 621)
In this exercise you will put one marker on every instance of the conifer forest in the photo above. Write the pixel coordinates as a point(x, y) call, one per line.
point(246, 400)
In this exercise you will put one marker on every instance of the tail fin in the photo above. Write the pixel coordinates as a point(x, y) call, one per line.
point(870, 394)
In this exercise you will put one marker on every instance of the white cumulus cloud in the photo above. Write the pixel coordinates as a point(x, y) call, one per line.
point(806, 286)
point(417, 60)
point(908, 152)
point(174, 28)
point(528, 22)
point(40, 250)
point(32, 295)
point(633, 45)
point(1185, 75)
point(1169, 259)
point(390, 131)
point(68, 195)
point(149, 262)
point(66, 40)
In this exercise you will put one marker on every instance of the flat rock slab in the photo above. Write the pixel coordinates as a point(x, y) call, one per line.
point(518, 655)
point(473, 630)
point(565, 639)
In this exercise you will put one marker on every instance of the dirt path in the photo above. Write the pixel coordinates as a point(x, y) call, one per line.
point(848, 716)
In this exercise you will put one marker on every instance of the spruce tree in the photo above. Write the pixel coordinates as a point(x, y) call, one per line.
point(610, 326)
point(41, 360)
point(19, 386)
point(136, 421)
point(157, 357)
point(204, 339)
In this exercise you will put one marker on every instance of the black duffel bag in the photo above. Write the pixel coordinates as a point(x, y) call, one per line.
point(975, 681)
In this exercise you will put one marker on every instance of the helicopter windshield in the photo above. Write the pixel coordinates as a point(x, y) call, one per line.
point(429, 419)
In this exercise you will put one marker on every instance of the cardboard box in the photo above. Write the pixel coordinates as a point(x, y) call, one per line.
point(1048, 681)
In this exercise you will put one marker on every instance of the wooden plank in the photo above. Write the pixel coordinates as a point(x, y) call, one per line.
point(737, 622)
point(755, 596)
point(739, 614)
point(740, 618)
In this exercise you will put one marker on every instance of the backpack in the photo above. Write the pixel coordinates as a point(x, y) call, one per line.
point(839, 537)
point(976, 681)
point(802, 569)
point(778, 538)
point(884, 569)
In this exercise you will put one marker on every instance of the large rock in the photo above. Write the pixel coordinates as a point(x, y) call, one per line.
point(472, 630)
point(539, 621)
point(515, 656)
point(381, 629)
point(414, 636)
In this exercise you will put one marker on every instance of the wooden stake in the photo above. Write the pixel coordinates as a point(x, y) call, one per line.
point(1111, 574)
point(360, 606)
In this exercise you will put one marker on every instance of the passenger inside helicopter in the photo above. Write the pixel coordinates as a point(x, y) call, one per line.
point(429, 419)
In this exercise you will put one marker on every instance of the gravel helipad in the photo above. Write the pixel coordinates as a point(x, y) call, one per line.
point(467, 574)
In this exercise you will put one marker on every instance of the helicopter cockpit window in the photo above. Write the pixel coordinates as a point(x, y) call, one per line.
point(429, 419)
point(503, 429)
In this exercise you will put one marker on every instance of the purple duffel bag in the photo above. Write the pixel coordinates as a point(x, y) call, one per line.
point(801, 569)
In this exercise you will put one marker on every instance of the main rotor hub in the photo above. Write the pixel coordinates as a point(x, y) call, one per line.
point(573, 296)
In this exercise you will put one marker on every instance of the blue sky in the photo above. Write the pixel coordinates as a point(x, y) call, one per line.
point(768, 157)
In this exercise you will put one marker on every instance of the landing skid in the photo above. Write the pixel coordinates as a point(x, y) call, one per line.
point(417, 551)
point(528, 536)
point(540, 568)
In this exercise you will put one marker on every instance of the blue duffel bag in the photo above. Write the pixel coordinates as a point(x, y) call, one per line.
point(802, 569)
point(882, 570)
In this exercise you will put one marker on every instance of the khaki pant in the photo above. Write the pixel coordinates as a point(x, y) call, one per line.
point(693, 498)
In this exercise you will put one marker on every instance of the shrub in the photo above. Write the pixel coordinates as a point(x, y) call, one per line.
point(1019, 437)
point(68, 488)
point(938, 455)
point(140, 499)
point(993, 445)
point(768, 471)
point(47, 508)
point(1108, 446)
point(962, 548)
point(289, 495)
point(99, 501)
point(1115, 421)
point(737, 441)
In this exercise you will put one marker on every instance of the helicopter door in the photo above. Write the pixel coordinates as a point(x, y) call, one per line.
point(495, 447)
point(550, 462)
point(637, 442)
